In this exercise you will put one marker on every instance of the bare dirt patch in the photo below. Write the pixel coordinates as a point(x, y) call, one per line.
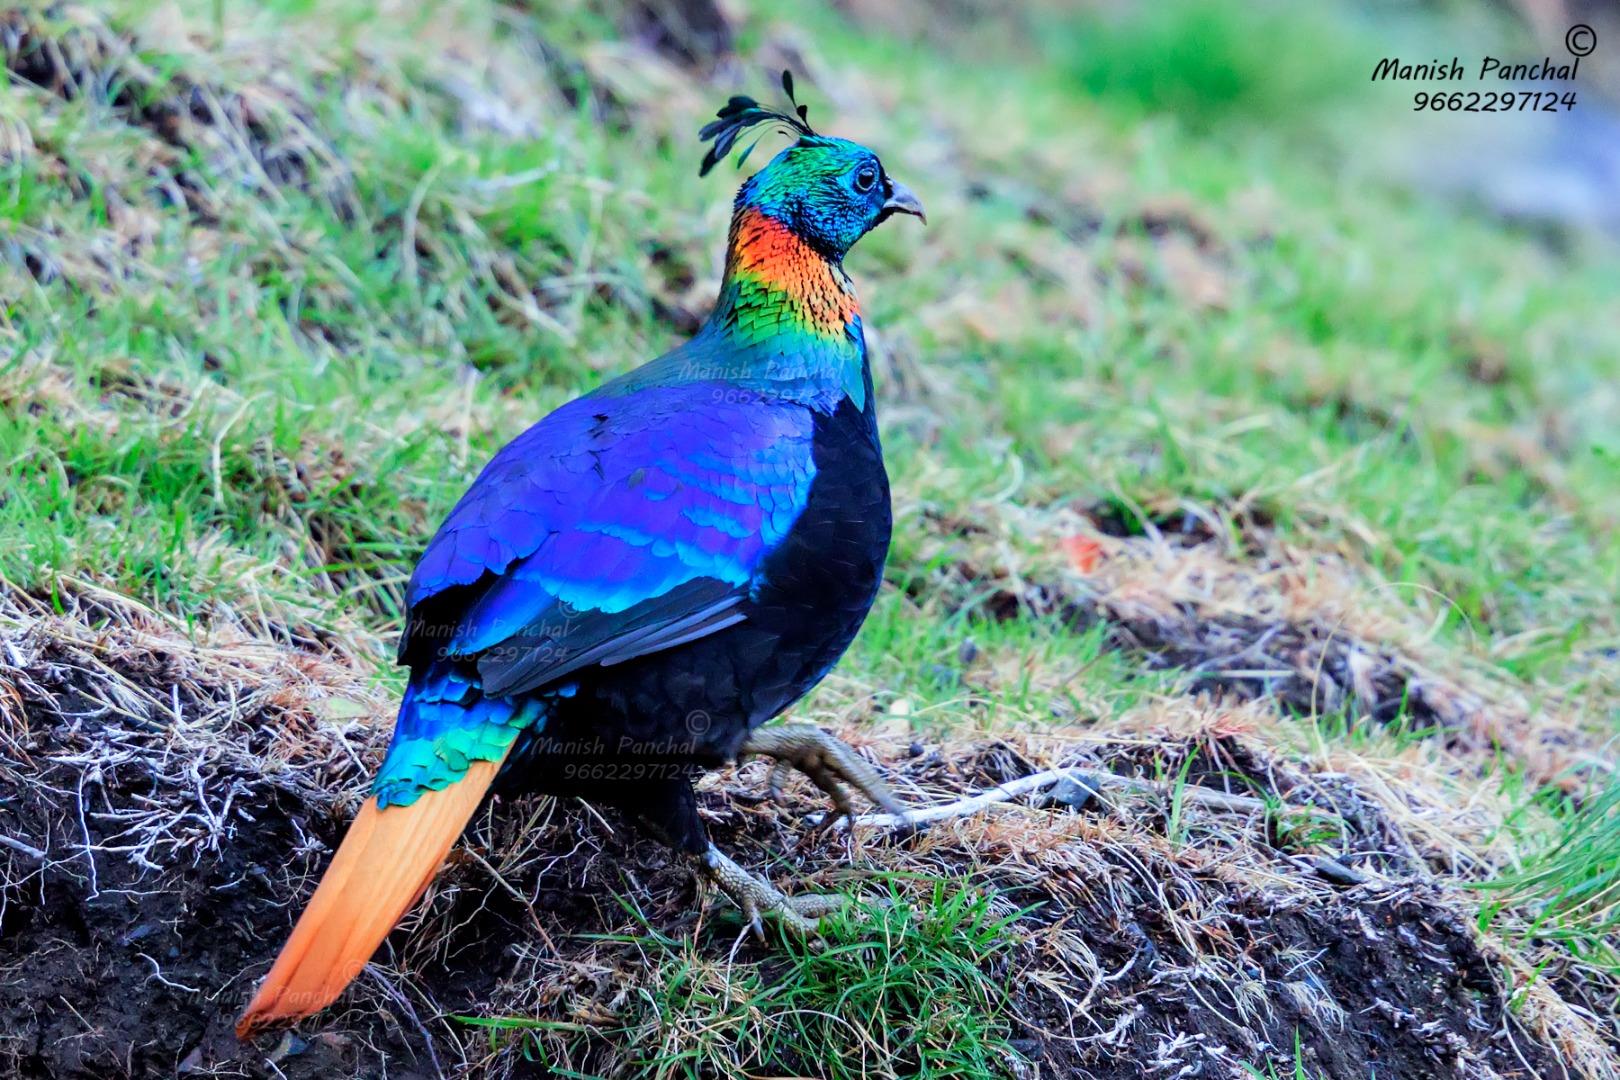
point(1212, 594)
point(168, 807)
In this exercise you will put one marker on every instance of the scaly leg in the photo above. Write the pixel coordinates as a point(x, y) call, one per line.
point(667, 809)
point(757, 896)
point(828, 762)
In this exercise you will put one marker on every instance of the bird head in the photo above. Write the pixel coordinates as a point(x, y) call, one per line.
point(829, 191)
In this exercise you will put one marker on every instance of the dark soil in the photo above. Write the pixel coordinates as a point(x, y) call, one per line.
point(110, 967)
point(1305, 668)
point(1418, 999)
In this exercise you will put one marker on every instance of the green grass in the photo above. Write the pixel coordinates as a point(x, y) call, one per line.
point(1207, 63)
point(911, 985)
point(903, 985)
point(311, 336)
point(1571, 883)
point(1295, 1070)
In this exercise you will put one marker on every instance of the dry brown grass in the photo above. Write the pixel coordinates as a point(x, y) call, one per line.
point(1235, 892)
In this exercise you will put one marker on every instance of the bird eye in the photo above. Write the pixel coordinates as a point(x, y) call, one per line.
point(865, 179)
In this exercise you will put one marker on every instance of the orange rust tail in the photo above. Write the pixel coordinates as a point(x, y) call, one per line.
point(384, 864)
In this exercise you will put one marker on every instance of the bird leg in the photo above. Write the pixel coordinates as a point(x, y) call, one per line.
point(828, 762)
point(756, 896)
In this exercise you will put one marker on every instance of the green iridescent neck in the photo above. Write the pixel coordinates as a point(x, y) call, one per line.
point(788, 310)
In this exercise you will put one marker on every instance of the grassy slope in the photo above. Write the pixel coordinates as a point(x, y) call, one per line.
point(278, 283)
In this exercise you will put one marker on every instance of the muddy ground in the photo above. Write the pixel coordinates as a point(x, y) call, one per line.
point(153, 868)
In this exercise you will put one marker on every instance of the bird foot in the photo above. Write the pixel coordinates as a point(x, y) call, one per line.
point(756, 897)
point(828, 762)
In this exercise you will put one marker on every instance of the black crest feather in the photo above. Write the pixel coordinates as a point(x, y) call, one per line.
point(742, 113)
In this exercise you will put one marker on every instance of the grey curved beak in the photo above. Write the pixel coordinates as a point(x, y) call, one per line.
point(902, 201)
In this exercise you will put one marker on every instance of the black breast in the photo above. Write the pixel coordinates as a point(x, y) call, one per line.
point(697, 702)
point(819, 584)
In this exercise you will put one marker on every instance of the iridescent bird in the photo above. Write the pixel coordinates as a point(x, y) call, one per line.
point(638, 582)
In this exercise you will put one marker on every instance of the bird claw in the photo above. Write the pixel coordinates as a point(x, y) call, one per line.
point(757, 897)
point(777, 781)
point(828, 762)
point(817, 906)
point(830, 765)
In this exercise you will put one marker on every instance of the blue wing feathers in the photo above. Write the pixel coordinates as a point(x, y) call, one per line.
point(661, 452)
point(623, 523)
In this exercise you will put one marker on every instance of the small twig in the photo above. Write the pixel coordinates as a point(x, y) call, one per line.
point(534, 919)
point(398, 998)
point(84, 829)
point(22, 848)
point(157, 973)
point(413, 210)
point(1025, 785)
point(1333, 870)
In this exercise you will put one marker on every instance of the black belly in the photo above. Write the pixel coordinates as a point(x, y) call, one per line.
point(688, 708)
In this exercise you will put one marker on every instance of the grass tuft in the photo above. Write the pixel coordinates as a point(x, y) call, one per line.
point(904, 985)
point(1570, 886)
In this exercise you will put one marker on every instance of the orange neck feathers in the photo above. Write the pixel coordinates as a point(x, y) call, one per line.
point(772, 272)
